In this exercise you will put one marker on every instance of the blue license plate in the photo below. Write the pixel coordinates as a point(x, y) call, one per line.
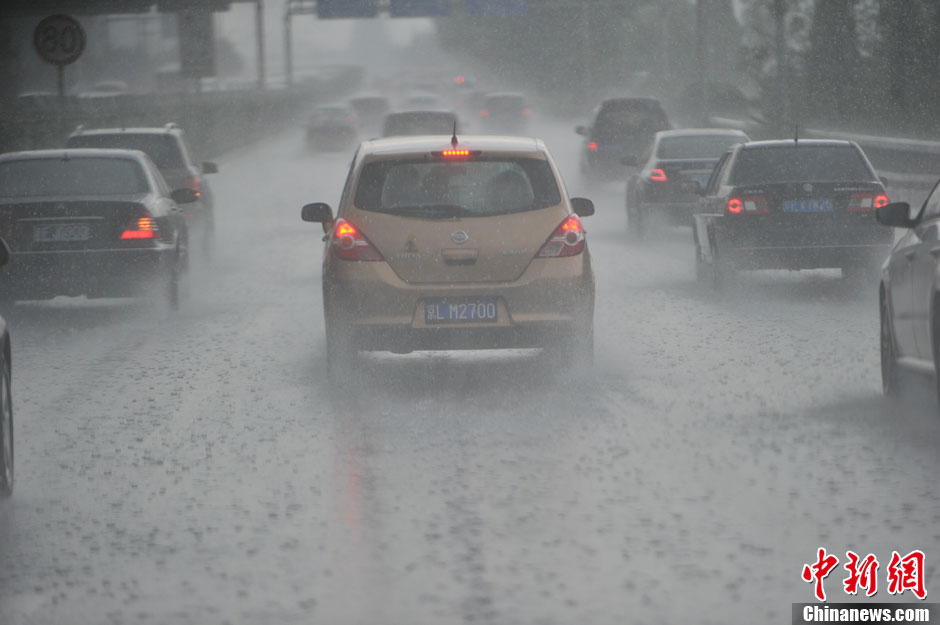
point(459, 310)
point(808, 205)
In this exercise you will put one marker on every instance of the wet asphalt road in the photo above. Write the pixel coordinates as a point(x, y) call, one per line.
point(197, 468)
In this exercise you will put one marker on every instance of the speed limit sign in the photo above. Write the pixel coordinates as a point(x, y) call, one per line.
point(59, 39)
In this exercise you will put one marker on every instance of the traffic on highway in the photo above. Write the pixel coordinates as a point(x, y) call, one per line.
point(447, 331)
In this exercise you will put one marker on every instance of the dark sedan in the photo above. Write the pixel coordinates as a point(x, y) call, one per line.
point(910, 293)
point(100, 223)
point(677, 161)
point(791, 205)
point(620, 128)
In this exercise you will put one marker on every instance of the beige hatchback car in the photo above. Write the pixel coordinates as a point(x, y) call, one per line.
point(440, 244)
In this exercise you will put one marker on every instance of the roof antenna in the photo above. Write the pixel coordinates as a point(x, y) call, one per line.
point(453, 139)
point(796, 134)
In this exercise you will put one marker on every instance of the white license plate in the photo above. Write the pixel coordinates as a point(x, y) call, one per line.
point(808, 205)
point(459, 311)
point(61, 232)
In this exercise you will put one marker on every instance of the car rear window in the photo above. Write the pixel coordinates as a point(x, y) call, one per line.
point(695, 146)
point(629, 122)
point(476, 188)
point(37, 177)
point(163, 149)
point(826, 163)
point(419, 124)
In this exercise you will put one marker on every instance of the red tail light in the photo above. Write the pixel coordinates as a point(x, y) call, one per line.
point(349, 244)
point(567, 240)
point(658, 175)
point(194, 183)
point(749, 205)
point(527, 112)
point(142, 228)
point(861, 202)
point(592, 146)
point(484, 113)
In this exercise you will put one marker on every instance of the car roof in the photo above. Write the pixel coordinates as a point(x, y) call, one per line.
point(782, 143)
point(392, 146)
point(700, 132)
point(643, 100)
point(420, 113)
point(64, 153)
point(505, 94)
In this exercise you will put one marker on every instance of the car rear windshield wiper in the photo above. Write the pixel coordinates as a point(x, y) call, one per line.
point(431, 211)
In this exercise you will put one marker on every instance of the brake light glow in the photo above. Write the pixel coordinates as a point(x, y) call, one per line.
point(142, 228)
point(349, 244)
point(750, 205)
point(527, 112)
point(484, 113)
point(861, 202)
point(194, 183)
point(592, 146)
point(567, 240)
point(452, 153)
point(658, 175)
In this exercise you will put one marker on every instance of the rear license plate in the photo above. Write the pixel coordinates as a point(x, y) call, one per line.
point(808, 205)
point(459, 310)
point(61, 232)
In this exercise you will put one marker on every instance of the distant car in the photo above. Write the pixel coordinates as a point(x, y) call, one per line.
point(332, 129)
point(6, 398)
point(445, 245)
point(370, 110)
point(168, 149)
point(106, 89)
point(620, 128)
point(505, 114)
point(100, 223)
point(910, 293)
point(791, 205)
point(421, 102)
point(412, 123)
point(665, 184)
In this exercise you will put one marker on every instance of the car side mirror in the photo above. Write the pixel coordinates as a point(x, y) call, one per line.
point(582, 206)
point(318, 212)
point(5, 252)
point(582, 130)
point(208, 167)
point(629, 161)
point(895, 215)
point(184, 196)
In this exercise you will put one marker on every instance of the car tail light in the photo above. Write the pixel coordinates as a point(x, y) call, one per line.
point(484, 113)
point(194, 183)
point(142, 228)
point(567, 240)
point(658, 175)
point(527, 112)
point(750, 205)
point(349, 244)
point(592, 146)
point(861, 202)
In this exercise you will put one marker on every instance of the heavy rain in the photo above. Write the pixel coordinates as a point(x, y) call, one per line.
point(610, 312)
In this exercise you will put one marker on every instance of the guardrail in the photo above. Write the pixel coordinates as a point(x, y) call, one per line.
point(906, 163)
point(214, 121)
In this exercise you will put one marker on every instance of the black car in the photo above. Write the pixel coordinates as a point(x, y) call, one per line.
point(170, 152)
point(505, 114)
point(413, 123)
point(332, 129)
point(6, 398)
point(910, 293)
point(100, 223)
point(791, 205)
point(620, 128)
point(664, 184)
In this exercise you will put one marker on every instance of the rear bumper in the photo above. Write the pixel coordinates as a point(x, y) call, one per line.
point(381, 311)
point(677, 212)
point(754, 246)
point(95, 273)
